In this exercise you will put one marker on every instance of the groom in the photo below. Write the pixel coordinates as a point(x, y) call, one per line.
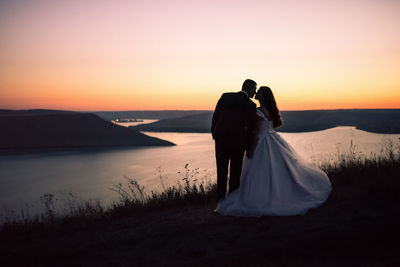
point(232, 127)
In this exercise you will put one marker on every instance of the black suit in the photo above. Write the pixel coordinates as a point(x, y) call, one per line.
point(232, 127)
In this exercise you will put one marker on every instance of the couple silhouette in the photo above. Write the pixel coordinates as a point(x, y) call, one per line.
point(266, 176)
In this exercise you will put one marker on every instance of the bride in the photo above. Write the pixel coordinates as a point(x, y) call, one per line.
point(275, 181)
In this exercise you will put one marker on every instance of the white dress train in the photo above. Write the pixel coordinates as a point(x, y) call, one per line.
point(275, 181)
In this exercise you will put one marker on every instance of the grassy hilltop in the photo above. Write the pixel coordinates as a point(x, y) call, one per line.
point(357, 226)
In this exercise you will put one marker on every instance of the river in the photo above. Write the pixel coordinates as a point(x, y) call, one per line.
point(90, 174)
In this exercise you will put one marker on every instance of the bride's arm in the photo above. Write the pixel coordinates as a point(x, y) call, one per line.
point(250, 151)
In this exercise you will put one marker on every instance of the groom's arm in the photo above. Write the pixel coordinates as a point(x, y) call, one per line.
point(251, 125)
point(254, 137)
point(251, 122)
point(215, 117)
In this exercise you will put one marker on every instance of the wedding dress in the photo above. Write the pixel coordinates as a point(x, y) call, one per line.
point(275, 181)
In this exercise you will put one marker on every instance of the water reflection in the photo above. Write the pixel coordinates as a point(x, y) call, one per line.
point(90, 174)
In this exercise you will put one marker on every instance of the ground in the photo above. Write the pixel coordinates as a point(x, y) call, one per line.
point(354, 229)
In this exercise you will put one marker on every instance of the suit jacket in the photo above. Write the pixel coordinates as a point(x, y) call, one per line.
point(234, 119)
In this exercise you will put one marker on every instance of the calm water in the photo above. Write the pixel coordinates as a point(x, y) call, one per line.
point(91, 174)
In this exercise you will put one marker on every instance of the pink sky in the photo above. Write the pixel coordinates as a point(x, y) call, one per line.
point(118, 55)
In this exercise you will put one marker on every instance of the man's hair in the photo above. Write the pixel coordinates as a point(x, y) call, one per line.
point(248, 84)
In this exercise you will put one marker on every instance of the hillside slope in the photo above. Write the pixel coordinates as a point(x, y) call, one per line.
point(371, 120)
point(47, 129)
point(145, 114)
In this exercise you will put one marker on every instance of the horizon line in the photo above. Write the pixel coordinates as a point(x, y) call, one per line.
point(166, 110)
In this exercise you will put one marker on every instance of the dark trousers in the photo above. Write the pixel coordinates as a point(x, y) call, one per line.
point(228, 154)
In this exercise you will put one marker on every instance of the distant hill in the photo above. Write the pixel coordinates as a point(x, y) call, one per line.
point(42, 129)
point(145, 114)
point(198, 123)
point(371, 120)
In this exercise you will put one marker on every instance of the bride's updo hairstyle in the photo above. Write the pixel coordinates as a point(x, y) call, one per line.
point(270, 105)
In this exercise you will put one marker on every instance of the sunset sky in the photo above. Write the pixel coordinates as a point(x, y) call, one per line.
point(158, 54)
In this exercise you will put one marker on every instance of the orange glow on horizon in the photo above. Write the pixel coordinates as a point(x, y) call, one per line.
point(190, 101)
